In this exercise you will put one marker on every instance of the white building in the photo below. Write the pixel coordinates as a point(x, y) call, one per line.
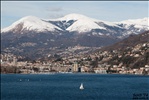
point(101, 71)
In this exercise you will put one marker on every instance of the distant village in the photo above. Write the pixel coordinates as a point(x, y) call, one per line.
point(101, 62)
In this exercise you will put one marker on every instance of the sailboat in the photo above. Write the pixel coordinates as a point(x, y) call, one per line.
point(81, 86)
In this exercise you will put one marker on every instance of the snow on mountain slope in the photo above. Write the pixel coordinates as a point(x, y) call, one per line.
point(84, 25)
point(81, 24)
point(137, 23)
point(76, 17)
point(31, 23)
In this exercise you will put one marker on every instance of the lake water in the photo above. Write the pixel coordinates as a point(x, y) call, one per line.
point(66, 87)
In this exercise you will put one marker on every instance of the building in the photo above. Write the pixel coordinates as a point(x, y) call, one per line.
point(75, 67)
point(101, 71)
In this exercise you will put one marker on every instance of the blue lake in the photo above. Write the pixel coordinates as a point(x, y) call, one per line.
point(66, 86)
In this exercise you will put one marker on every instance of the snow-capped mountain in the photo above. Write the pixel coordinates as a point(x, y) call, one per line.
point(30, 23)
point(138, 23)
point(86, 27)
point(135, 26)
point(32, 36)
point(68, 31)
point(79, 24)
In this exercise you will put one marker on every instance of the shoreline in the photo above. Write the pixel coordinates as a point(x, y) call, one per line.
point(72, 73)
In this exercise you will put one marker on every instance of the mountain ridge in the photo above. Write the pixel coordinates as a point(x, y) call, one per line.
point(79, 23)
point(29, 41)
point(31, 23)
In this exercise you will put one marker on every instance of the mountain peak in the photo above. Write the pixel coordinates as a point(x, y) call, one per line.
point(87, 25)
point(73, 16)
point(29, 18)
point(31, 23)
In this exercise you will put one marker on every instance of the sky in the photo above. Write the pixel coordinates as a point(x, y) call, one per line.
point(112, 11)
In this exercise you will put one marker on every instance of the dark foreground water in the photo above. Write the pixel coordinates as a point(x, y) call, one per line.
point(66, 87)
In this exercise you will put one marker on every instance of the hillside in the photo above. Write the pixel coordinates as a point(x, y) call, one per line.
point(132, 52)
point(131, 41)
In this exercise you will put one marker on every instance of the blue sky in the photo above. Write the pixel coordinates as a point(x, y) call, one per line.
point(113, 11)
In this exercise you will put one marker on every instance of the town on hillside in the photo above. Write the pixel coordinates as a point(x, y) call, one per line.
point(132, 60)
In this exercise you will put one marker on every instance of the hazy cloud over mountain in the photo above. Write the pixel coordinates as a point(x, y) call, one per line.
point(55, 9)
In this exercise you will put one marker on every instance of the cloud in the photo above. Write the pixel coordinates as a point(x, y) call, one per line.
point(55, 9)
point(53, 16)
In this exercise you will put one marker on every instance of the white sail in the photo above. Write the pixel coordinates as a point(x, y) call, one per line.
point(81, 86)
